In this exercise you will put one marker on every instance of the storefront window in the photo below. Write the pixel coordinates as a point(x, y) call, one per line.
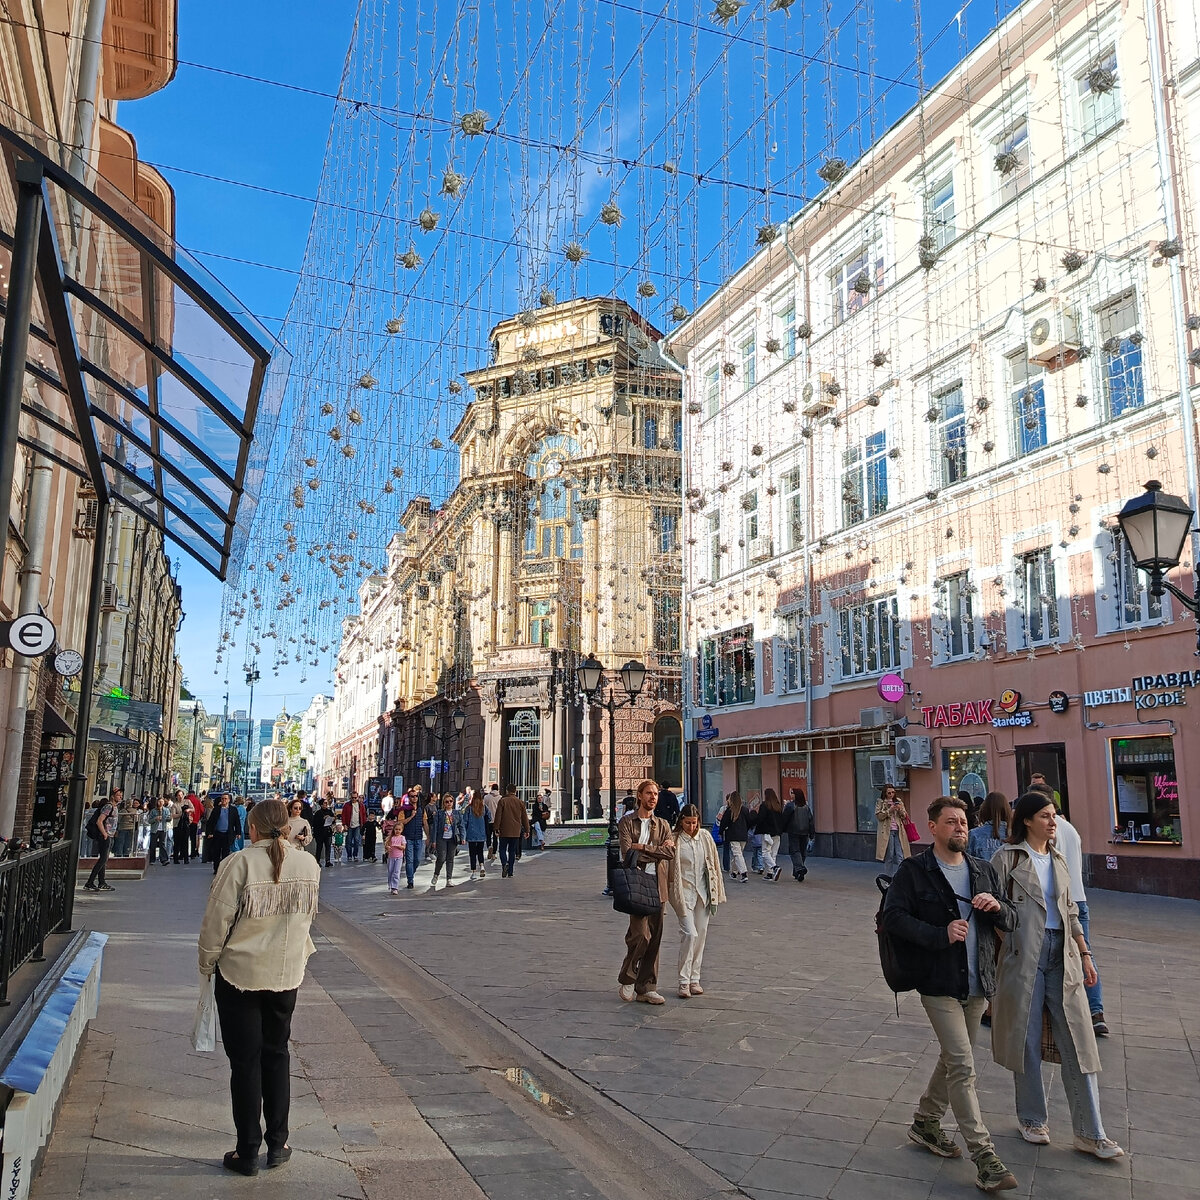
point(1146, 789)
point(793, 774)
point(749, 777)
point(865, 795)
point(964, 769)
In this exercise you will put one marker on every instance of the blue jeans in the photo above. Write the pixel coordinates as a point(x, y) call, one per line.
point(1095, 994)
point(1083, 1091)
point(508, 853)
point(412, 856)
point(895, 852)
point(353, 843)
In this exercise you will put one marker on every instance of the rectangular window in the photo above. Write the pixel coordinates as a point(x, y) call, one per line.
point(864, 480)
point(677, 434)
point(748, 352)
point(1038, 597)
point(1146, 788)
point(854, 280)
point(952, 436)
point(714, 547)
point(540, 622)
point(939, 211)
point(1121, 355)
point(1133, 604)
point(793, 511)
point(666, 530)
point(785, 322)
point(712, 390)
point(1027, 394)
point(735, 666)
point(1011, 161)
point(666, 622)
point(749, 524)
point(958, 614)
point(650, 431)
point(706, 661)
point(612, 325)
point(791, 644)
point(870, 638)
point(1098, 97)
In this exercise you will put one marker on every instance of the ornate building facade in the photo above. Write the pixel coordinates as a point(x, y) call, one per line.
point(559, 540)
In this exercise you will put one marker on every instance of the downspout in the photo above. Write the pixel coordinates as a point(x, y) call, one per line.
point(89, 87)
point(1168, 184)
point(36, 513)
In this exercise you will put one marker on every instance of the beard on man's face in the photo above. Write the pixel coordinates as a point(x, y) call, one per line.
point(957, 842)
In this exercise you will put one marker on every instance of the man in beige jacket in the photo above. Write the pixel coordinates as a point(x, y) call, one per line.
point(650, 836)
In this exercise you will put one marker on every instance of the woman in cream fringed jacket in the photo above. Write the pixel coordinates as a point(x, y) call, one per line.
point(255, 938)
point(695, 888)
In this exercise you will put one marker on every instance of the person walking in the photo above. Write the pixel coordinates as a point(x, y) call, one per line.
point(891, 838)
point(668, 805)
point(651, 838)
point(255, 939)
point(990, 834)
point(181, 847)
point(735, 828)
point(769, 826)
point(446, 832)
point(354, 817)
point(197, 807)
point(415, 829)
point(800, 828)
point(324, 820)
point(159, 821)
point(300, 832)
point(221, 829)
point(370, 836)
point(339, 842)
point(511, 824)
point(106, 828)
point(239, 838)
point(539, 819)
point(393, 852)
point(1046, 965)
point(477, 829)
point(491, 802)
point(695, 887)
point(128, 816)
point(942, 911)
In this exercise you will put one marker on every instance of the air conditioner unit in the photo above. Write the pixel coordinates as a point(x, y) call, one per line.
point(85, 519)
point(914, 752)
point(1053, 335)
point(817, 403)
point(884, 771)
point(110, 598)
point(875, 718)
point(761, 549)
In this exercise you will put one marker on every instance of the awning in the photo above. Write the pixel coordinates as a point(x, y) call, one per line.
point(54, 725)
point(803, 741)
point(109, 738)
point(143, 375)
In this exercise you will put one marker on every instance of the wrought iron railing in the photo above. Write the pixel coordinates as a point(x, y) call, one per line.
point(33, 903)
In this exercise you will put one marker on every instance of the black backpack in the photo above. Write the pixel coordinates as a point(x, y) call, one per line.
point(900, 971)
point(92, 828)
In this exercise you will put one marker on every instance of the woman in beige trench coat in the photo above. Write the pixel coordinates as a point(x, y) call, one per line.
point(891, 837)
point(1045, 963)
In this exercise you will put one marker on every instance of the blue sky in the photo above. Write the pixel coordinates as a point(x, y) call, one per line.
point(828, 85)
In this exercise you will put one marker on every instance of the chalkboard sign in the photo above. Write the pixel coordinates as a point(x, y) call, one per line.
point(50, 797)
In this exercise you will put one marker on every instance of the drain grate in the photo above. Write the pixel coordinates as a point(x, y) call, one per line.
point(529, 1084)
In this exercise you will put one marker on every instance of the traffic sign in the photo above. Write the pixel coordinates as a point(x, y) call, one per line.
point(31, 634)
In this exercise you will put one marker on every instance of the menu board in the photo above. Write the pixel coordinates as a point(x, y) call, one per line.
point(50, 797)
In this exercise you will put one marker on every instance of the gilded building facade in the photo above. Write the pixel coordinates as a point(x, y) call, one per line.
point(560, 539)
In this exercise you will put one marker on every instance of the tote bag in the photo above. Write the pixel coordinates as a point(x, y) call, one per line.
point(635, 891)
point(204, 1028)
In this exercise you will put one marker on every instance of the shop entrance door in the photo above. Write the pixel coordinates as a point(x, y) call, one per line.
point(1050, 761)
point(522, 746)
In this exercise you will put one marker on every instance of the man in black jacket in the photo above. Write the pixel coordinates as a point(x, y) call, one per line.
point(943, 908)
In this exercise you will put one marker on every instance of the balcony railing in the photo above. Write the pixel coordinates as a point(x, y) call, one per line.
point(33, 904)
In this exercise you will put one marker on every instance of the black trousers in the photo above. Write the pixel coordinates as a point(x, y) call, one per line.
point(255, 1027)
point(179, 847)
point(218, 845)
point(158, 846)
point(323, 843)
point(96, 877)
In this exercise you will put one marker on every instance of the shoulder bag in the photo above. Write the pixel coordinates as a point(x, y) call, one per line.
point(635, 891)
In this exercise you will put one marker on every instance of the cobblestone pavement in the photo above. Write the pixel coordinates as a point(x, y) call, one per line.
point(793, 1075)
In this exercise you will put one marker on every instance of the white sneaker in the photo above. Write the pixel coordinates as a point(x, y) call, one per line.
point(685, 991)
point(474, 875)
point(1039, 1135)
point(1100, 1147)
point(482, 873)
point(627, 992)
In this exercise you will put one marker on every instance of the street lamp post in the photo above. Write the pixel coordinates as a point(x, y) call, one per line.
point(1156, 526)
point(429, 718)
point(590, 674)
point(252, 677)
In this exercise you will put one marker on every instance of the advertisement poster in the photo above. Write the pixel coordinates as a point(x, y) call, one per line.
point(793, 773)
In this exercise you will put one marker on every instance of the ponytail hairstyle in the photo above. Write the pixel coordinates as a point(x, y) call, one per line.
point(269, 819)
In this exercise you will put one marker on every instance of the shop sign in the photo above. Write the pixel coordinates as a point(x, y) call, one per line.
point(1174, 699)
point(1170, 681)
point(1059, 702)
point(1108, 696)
point(891, 688)
point(979, 712)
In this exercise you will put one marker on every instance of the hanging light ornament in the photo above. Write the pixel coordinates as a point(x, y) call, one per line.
point(610, 214)
point(646, 289)
point(389, 487)
point(326, 409)
point(335, 434)
point(367, 381)
point(454, 387)
point(452, 182)
point(410, 260)
point(833, 170)
point(473, 123)
point(726, 11)
point(766, 234)
point(348, 450)
point(428, 220)
point(314, 483)
point(546, 298)
point(1072, 260)
point(354, 417)
point(679, 313)
point(780, 6)
point(1101, 79)
point(310, 462)
point(435, 444)
point(397, 472)
point(395, 325)
point(573, 252)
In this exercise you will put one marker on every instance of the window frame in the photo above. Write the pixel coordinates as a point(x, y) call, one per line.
point(747, 344)
point(1128, 353)
point(665, 522)
point(712, 389)
point(955, 592)
point(792, 509)
point(714, 546)
point(1086, 132)
point(1047, 585)
point(1033, 382)
point(790, 639)
point(948, 425)
point(866, 630)
point(1128, 588)
point(942, 231)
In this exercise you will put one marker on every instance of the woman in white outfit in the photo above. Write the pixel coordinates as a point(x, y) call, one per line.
point(695, 888)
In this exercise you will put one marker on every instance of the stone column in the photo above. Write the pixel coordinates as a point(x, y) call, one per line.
point(505, 592)
point(589, 628)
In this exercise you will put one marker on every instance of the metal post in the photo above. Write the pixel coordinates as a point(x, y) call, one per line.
point(614, 838)
point(84, 719)
point(18, 310)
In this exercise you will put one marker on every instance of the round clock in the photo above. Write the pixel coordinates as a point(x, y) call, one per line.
point(68, 662)
point(554, 467)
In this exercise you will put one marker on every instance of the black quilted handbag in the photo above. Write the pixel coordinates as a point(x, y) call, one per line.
point(635, 891)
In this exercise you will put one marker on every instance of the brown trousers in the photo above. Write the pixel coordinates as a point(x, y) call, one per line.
point(641, 955)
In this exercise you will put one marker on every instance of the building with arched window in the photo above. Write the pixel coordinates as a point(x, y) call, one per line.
point(559, 540)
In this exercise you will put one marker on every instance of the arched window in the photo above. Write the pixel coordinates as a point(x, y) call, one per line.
point(553, 527)
point(668, 751)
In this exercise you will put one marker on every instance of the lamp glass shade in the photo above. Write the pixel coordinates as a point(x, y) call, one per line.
point(429, 716)
point(633, 675)
point(459, 718)
point(588, 673)
point(1156, 526)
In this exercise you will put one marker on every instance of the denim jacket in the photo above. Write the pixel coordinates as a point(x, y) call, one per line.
point(437, 826)
point(475, 828)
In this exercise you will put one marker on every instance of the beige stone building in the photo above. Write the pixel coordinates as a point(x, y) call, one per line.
point(559, 540)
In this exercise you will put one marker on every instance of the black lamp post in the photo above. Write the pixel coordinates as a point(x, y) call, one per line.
point(429, 718)
point(590, 674)
point(1156, 526)
point(252, 677)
